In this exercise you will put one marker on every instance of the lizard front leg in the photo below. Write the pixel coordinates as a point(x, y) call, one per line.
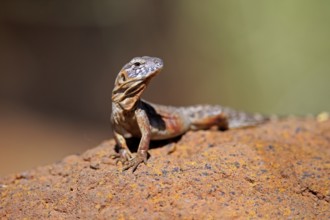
point(124, 153)
point(142, 153)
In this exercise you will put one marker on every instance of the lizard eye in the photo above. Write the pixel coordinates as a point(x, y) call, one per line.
point(137, 64)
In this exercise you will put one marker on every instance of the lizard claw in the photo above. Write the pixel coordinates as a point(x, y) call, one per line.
point(134, 162)
point(122, 156)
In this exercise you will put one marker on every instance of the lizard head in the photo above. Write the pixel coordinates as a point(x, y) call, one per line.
point(142, 67)
point(133, 79)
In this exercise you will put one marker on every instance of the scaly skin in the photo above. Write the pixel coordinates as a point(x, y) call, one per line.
point(134, 117)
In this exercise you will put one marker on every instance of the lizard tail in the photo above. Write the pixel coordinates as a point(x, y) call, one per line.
point(237, 119)
point(206, 116)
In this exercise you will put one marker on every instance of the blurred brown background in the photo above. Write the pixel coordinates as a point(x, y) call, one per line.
point(58, 61)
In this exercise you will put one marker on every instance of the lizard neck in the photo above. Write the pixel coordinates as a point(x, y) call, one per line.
point(127, 95)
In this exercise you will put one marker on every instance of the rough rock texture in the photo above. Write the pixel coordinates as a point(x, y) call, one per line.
point(274, 171)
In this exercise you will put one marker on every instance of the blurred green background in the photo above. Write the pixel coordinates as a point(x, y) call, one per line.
point(59, 59)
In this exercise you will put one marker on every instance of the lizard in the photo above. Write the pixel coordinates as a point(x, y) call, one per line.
point(134, 117)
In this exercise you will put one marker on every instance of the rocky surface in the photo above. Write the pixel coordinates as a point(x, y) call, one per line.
point(273, 171)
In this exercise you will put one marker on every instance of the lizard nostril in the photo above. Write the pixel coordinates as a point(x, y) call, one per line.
point(158, 62)
point(137, 64)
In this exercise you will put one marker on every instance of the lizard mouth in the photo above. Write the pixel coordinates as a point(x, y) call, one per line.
point(143, 72)
point(154, 73)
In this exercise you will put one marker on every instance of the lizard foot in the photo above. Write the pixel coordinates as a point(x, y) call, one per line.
point(122, 156)
point(134, 162)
